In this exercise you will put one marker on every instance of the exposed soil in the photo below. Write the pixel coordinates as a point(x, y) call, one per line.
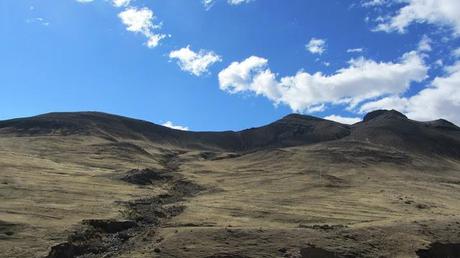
point(440, 250)
point(207, 155)
point(314, 252)
point(104, 238)
point(146, 176)
point(225, 255)
point(7, 230)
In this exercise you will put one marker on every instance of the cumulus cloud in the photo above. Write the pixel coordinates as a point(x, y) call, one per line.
point(239, 75)
point(440, 100)
point(121, 3)
point(196, 63)
point(362, 80)
point(141, 21)
point(343, 120)
point(173, 126)
point(316, 46)
point(437, 12)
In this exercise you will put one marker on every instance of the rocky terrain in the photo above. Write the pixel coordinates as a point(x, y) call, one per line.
point(97, 185)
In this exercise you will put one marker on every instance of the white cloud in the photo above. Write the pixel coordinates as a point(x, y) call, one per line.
point(193, 62)
point(116, 3)
point(440, 100)
point(209, 3)
point(237, 2)
point(425, 44)
point(363, 79)
point(141, 21)
point(173, 126)
point(154, 40)
point(439, 63)
point(438, 12)
point(373, 3)
point(355, 50)
point(137, 20)
point(38, 20)
point(121, 3)
point(316, 46)
point(456, 53)
point(392, 102)
point(239, 76)
point(343, 120)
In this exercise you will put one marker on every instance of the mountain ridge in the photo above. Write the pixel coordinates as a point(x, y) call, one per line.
point(383, 127)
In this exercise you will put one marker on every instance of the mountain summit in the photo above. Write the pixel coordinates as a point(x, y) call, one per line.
point(383, 114)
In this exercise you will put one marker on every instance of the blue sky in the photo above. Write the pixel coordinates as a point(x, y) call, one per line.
point(230, 64)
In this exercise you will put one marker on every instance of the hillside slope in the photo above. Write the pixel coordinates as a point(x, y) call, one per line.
point(98, 185)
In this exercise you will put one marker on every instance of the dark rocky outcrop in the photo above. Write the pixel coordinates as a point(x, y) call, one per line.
point(440, 250)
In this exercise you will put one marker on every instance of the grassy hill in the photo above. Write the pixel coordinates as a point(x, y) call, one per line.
point(97, 185)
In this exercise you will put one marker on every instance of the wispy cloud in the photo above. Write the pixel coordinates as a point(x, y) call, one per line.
point(456, 53)
point(374, 3)
point(209, 3)
point(355, 50)
point(177, 127)
point(424, 44)
point(237, 2)
point(39, 20)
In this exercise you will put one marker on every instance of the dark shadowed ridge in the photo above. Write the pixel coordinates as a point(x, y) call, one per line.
point(391, 128)
point(382, 127)
point(289, 131)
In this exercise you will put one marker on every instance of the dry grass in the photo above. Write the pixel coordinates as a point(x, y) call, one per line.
point(385, 202)
point(50, 184)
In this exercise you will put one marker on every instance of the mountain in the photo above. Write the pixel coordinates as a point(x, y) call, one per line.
point(384, 127)
point(394, 129)
point(289, 131)
point(90, 184)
